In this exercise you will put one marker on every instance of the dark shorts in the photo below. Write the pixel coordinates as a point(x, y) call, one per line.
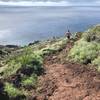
point(68, 37)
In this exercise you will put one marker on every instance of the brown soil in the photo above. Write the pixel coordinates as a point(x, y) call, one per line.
point(64, 80)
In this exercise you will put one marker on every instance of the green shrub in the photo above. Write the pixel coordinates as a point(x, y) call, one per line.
point(11, 90)
point(97, 63)
point(84, 51)
point(29, 56)
point(37, 58)
point(37, 64)
point(92, 34)
point(78, 35)
point(26, 57)
point(11, 68)
point(30, 81)
point(48, 51)
point(54, 47)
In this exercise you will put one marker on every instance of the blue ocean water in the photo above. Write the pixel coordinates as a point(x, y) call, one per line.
point(21, 25)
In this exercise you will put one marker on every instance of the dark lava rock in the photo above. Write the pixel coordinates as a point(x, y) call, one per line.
point(12, 46)
point(20, 97)
point(3, 94)
point(35, 42)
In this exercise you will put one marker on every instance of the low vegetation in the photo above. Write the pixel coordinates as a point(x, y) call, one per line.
point(21, 70)
point(87, 49)
point(11, 90)
point(29, 82)
point(84, 51)
point(96, 62)
point(92, 34)
point(23, 67)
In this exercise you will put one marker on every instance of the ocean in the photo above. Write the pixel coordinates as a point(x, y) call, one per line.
point(21, 25)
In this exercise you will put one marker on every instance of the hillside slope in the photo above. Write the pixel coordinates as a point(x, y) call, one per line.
point(57, 69)
point(68, 80)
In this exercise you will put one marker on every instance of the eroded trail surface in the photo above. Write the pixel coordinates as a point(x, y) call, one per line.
point(67, 80)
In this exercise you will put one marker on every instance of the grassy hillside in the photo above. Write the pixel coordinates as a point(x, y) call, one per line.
point(21, 69)
point(87, 49)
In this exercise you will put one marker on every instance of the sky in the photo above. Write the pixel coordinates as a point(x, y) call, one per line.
point(57, 0)
point(51, 2)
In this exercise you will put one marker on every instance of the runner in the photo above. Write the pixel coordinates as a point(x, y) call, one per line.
point(68, 34)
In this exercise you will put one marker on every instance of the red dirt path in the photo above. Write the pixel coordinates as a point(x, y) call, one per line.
point(67, 80)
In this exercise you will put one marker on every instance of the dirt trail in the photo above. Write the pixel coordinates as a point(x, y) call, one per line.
point(68, 81)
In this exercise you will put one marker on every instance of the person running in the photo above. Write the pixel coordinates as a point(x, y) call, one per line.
point(68, 34)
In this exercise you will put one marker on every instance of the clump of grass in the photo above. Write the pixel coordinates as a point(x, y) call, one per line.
point(30, 56)
point(48, 51)
point(30, 81)
point(84, 52)
point(96, 62)
point(92, 34)
point(26, 57)
point(54, 47)
point(11, 90)
point(11, 68)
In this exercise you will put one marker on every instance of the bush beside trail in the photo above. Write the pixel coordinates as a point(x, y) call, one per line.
point(87, 49)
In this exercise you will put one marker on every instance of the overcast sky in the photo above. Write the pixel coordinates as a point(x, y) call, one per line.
point(52, 2)
point(74, 1)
